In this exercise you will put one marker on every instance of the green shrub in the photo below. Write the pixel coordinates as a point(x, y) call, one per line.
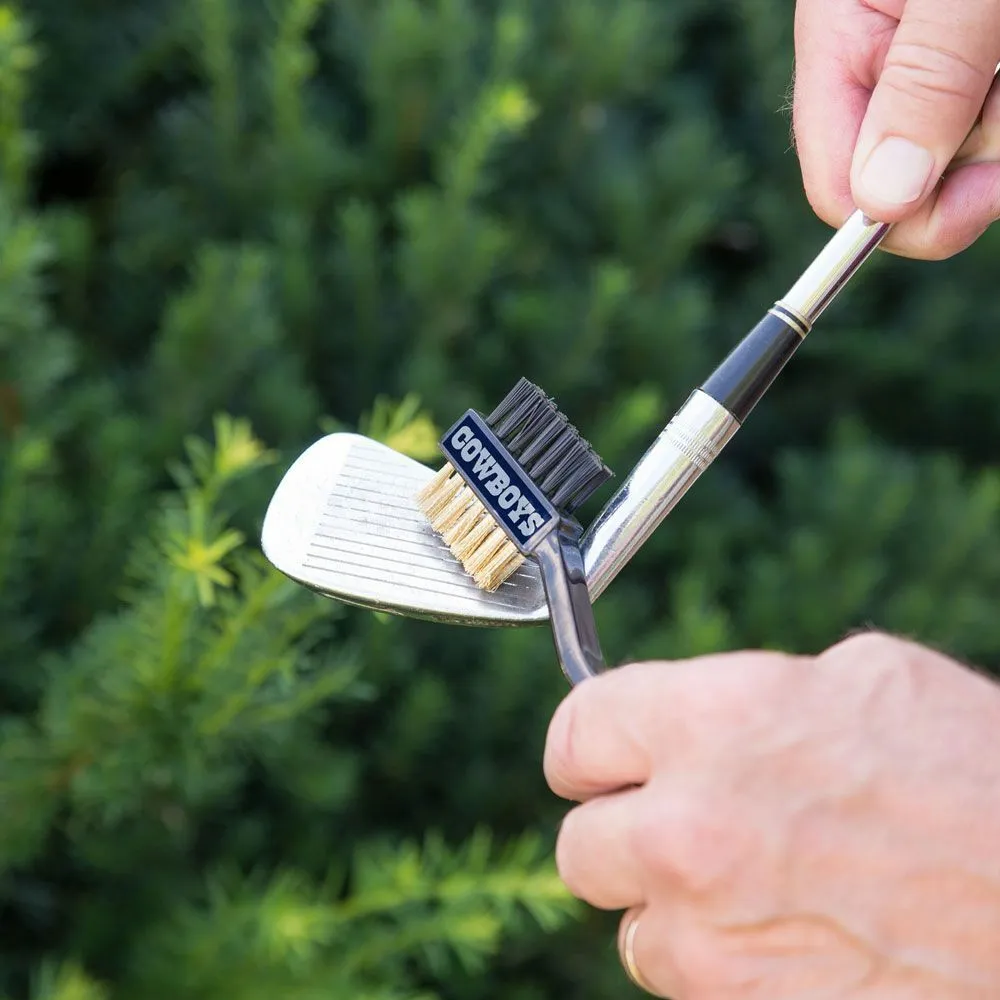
point(373, 214)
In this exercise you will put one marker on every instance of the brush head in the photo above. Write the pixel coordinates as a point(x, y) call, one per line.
point(492, 512)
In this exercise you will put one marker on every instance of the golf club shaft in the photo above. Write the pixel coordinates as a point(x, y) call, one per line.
point(713, 413)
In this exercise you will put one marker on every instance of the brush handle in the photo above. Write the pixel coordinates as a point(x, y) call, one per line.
point(712, 414)
point(571, 612)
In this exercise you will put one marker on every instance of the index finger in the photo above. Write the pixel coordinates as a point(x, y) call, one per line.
point(839, 47)
point(614, 730)
point(599, 737)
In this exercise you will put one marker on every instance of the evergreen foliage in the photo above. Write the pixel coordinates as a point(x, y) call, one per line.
point(229, 227)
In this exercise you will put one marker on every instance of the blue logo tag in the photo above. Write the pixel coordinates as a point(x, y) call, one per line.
point(499, 482)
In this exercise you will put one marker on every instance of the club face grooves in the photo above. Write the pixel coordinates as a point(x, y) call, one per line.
point(344, 522)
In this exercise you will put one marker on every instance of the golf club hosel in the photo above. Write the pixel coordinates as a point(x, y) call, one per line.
point(685, 448)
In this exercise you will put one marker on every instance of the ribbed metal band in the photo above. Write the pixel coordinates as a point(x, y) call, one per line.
point(685, 448)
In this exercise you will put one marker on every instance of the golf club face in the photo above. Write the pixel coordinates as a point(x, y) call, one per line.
point(344, 522)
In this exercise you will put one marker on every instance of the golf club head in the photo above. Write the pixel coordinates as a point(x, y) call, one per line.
point(344, 522)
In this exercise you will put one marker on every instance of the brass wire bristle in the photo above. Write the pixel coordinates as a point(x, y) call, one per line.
point(553, 454)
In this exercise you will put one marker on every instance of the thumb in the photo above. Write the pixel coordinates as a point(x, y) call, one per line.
point(936, 75)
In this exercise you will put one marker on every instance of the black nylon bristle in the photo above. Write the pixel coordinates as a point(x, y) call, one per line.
point(548, 447)
point(511, 409)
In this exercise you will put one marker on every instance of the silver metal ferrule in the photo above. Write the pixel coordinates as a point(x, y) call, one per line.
point(833, 267)
point(685, 448)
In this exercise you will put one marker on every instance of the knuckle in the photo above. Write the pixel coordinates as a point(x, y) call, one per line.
point(927, 71)
point(869, 646)
point(934, 251)
point(754, 683)
point(702, 968)
point(936, 242)
point(742, 692)
point(946, 236)
point(881, 663)
point(695, 841)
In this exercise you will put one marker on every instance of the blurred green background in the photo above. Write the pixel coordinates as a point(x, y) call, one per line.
point(230, 226)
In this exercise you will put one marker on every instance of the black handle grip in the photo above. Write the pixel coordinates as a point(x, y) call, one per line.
point(753, 364)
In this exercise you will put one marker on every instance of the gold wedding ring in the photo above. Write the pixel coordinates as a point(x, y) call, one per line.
point(626, 949)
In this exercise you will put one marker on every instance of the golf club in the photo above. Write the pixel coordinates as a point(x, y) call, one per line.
point(344, 520)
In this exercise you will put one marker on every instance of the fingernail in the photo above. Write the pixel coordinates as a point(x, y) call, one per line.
point(896, 172)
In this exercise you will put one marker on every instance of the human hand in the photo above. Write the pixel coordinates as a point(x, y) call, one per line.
point(800, 827)
point(915, 74)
